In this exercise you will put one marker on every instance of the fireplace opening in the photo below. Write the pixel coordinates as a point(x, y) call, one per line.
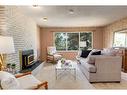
point(27, 60)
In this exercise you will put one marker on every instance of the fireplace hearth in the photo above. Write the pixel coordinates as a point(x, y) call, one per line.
point(27, 61)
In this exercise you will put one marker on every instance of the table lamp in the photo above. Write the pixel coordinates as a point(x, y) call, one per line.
point(6, 47)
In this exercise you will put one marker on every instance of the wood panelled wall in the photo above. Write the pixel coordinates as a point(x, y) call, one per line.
point(103, 36)
point(46, 35)
point(110, 29)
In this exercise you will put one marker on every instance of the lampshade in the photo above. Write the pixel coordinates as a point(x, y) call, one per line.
point(83, 44)
point(6, 45)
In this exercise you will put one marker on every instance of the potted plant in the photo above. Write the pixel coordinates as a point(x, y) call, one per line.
point(9, 65)
point(13, 65)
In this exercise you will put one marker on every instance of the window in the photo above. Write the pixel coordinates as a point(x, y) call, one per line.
point(72, 41)
point(60, 41)
point(120, 39)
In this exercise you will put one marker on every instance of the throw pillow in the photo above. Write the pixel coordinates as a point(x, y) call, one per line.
point(8, 81)
point(92, 51)
point(110, 51)
point(96, 53)
point(85, 53)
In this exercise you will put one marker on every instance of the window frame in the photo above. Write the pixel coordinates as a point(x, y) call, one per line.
point(66, 41)
point(113, 42)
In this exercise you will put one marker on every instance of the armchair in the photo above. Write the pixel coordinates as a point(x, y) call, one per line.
point(28, 81)
point(52, 55)
point(20, 81)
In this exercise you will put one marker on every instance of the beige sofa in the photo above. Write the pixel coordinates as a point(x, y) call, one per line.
point(104, 69)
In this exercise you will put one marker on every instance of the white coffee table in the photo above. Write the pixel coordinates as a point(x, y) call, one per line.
point(60, 68)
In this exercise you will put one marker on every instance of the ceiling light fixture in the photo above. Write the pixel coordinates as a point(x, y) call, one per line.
point(71, 11)
point(45, 18)
point(35, 6)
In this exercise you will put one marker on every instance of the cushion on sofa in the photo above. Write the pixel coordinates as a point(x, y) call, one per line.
point(90, 59)
point(85, 53)
point(83, 60)
point(96, 53)
point(29, 80)
point(92, 51)
point(111, 51)
point(90, 67)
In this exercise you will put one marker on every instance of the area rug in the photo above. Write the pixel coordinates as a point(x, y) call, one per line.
point(66, 81)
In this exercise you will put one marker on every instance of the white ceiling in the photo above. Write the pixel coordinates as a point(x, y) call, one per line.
point(88, 16)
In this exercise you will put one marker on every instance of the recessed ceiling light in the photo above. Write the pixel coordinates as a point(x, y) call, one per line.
point(45, 18)
point(71, 11)
point(35, 6)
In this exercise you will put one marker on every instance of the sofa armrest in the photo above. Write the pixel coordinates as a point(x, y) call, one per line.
point(108, 64)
